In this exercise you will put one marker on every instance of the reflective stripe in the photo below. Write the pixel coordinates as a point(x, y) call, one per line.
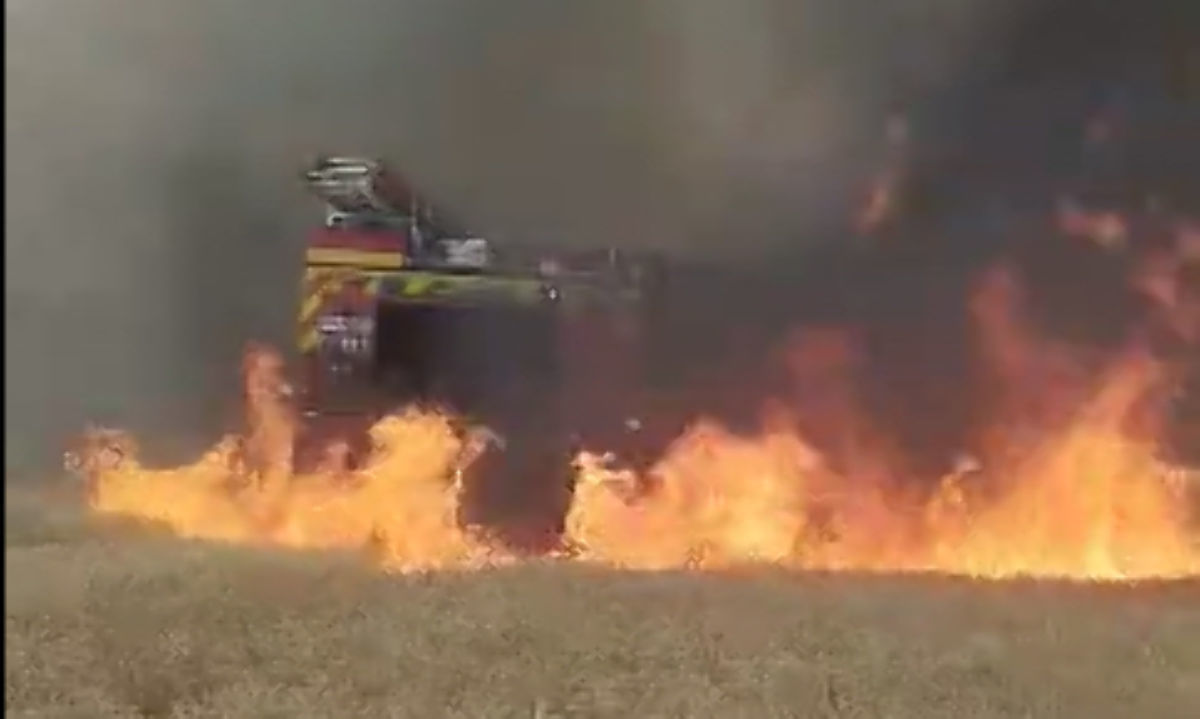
point(354, 258)
point(320, 285)
point(310, 305)
point(432, 287)
point(418, 285)
point(433, 284)
point(309, 338)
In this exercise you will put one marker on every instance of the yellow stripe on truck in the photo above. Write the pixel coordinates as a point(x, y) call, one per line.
point(437, 286)
point(309, 339)
point(418, 285)
point(320, 284)
point(311, 305)
point(354, 258)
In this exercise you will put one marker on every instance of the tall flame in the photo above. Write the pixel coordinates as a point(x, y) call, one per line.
point(402, 504)
point(1065, 481)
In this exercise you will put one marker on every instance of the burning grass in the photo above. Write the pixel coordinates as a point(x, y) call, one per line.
point(157, 626)
point(1066, 478)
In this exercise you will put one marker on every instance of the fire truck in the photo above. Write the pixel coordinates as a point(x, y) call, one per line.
point(400, 305)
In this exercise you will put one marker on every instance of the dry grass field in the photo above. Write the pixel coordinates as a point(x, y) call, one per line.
point(107, 621)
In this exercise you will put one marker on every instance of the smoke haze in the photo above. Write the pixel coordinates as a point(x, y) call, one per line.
point(154, 220)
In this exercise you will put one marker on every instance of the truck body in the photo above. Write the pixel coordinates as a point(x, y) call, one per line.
point(400, 306)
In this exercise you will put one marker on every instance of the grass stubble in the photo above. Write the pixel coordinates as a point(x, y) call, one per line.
point(110, 620)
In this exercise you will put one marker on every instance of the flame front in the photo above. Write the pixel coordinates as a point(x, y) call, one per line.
point(1086, 502)
point(1064, 481)
point(401, 505)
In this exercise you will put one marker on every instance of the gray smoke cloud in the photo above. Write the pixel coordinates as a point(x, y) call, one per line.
point(154, 221)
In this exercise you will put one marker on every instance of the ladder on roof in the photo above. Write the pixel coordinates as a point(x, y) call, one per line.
point(353, 186)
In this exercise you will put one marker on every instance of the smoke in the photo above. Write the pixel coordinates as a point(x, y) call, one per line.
point(153, 218)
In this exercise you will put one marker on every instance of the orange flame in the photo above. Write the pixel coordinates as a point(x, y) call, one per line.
point(1078, 494)
point(402, 504)
point(1087, 501)
point(1065, 481)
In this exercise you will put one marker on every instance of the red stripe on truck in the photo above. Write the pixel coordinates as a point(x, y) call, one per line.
point(363, 240)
